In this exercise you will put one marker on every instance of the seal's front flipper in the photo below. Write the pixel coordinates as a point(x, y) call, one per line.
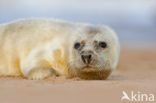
point(40, 73)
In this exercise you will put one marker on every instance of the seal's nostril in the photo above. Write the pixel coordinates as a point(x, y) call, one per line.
point(89, 56)
point(83, 58)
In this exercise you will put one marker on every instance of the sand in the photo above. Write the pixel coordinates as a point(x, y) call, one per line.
point(136, 72)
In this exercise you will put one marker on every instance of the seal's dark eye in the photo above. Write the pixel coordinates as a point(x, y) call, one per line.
point(103, 44)
point(77, 45)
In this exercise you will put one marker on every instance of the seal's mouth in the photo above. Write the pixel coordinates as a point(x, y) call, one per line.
point(89, 69)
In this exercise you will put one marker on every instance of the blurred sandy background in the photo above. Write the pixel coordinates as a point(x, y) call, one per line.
point(133, 20)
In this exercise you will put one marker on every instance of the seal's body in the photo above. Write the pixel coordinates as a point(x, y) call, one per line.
point(39, 48)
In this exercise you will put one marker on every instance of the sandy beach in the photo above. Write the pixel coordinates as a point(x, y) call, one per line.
point(136, 72)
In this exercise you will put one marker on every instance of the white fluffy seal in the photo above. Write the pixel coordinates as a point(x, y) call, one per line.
point(39, 48)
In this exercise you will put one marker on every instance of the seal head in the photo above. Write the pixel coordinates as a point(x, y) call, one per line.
point(94, 52)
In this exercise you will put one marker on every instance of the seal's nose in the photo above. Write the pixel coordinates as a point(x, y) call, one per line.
point(86, 58)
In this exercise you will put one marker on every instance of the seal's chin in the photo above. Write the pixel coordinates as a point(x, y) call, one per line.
point(90, 73)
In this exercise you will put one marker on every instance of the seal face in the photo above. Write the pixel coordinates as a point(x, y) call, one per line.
point(95, 52)
point(40, 48)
